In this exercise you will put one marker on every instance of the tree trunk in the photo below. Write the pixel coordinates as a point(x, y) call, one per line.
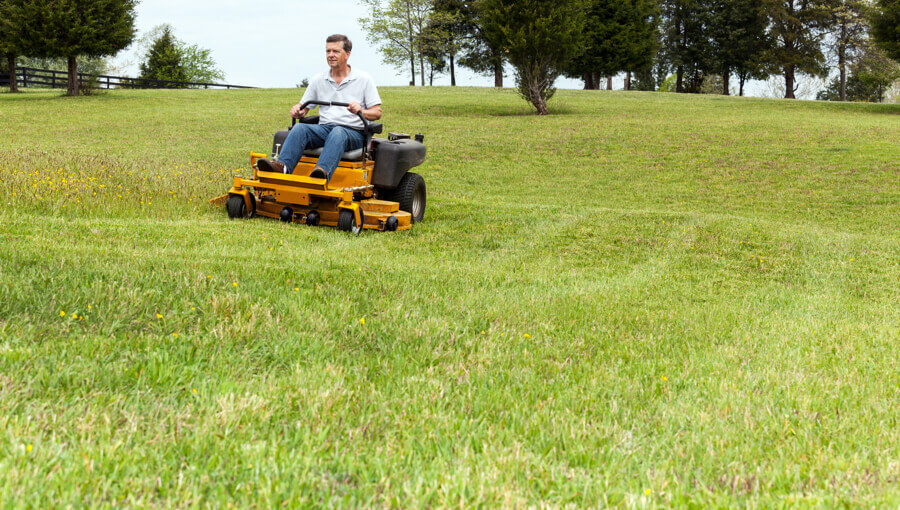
point(498, 74)
point(789, 82)
point(609, 83)
point(842, 60)
point(726, 76)
point(11, 67)
point(741, 80)
point(679, 80)
point(452, 73)
point(422, 69)
point(73, 86)
point(412, 69)
point(588, 81)
point(628, 80)
point(595, 77)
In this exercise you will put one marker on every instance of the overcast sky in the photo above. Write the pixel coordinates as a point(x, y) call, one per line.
point(277, 43)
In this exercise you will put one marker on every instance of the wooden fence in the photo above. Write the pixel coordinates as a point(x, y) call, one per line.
point(29, 76)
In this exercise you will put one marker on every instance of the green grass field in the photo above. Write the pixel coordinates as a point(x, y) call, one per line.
point(642, 300)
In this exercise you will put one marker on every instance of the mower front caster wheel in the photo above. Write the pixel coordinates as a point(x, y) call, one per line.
point(236, 207)
point(347, 221)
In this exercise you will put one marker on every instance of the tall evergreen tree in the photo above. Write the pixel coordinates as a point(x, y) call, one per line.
point(738, 31)
point(164, 60)
point(619, 35)
point(886, 27)
point(539, 39)
point(72, 28)
point(11, 21)
point(796, 28)
point(477, 52)
point(687, 45)
point(450, 25)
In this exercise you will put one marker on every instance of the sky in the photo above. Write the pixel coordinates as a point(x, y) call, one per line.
point(277, 43)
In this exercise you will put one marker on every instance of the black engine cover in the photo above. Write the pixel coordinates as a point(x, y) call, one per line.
point(393, 158)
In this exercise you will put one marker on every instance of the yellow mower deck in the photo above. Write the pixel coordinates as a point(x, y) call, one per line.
point(350, 188)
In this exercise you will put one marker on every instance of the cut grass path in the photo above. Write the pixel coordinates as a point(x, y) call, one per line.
point(641, 300)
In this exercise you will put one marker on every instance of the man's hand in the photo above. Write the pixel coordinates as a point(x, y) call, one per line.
point(355, 108)
point(297, 112)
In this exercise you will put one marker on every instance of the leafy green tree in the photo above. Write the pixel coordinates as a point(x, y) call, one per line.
point(73, 28)
point(449, 27)
point(539, 38)
point(164, 61)
point(886, 27)
point(797, 28)
point(175, 58)
point(738, 32)
point(396, 27)
point(870, 79)
point(478, 52)
point(848, 37)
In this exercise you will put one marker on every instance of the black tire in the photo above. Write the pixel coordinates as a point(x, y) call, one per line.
point(236, 207)
point(346, 220)
point(410, 193)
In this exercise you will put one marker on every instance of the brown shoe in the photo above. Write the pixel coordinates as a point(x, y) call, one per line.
point(318, 173)
point(265, 165)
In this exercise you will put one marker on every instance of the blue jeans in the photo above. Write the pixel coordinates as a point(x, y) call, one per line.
point(334, 140)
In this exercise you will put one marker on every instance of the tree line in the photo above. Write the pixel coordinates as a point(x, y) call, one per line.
point(77, 33)
point(679, 45)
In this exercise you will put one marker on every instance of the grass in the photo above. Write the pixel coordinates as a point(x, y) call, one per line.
point(642, 300)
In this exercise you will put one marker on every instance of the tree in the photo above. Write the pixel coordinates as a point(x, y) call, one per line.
point(396, 29)
point(848, 37)
point(449, 26)
point(72, 28)
point(738, 32)
point(618, 36)
point(12, 19)
point(886, 27)
point(475, 51)
point(870, 78)
point(539, 38)
point(796, 28)
point(687, 43)
point(164, 60)
point(168, 58)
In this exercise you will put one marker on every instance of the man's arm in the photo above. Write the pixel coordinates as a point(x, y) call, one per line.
point(373, 113)
point(297, 112)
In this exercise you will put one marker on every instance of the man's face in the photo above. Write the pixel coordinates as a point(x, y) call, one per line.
point(335, 54)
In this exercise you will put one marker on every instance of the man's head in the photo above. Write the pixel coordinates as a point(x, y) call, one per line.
point(337, 50)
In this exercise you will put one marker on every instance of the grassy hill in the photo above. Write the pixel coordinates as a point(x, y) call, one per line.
point(641, 300)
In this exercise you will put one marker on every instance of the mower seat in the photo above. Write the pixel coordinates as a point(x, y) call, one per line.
point(354, 155)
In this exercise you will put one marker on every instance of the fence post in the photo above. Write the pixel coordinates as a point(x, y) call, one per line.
point(24, 77)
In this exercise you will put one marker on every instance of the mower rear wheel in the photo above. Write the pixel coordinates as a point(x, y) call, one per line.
point(410, 193)
point(236, 207)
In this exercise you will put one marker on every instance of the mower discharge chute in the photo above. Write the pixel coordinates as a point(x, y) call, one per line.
point(372, 187)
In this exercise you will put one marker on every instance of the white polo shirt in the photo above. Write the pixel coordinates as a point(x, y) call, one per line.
point(357, 86)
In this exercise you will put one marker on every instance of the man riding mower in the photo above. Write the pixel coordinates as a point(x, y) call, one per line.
point(371, 188)
point(329, 169)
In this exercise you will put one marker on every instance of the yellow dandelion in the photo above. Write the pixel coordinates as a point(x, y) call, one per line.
point(62, 313)
point(74, 315)
point(664, 378)
point(175, 335)
point(29, 448)
point(192, 308)
point(646, 492)
point(362, 321)
point(526, 335)
point(194, 390)
point(234, 284)
point(159, 316)
point(482, 331)
point(296, 288)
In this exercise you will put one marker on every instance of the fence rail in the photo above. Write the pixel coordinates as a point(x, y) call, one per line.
point(29, 76)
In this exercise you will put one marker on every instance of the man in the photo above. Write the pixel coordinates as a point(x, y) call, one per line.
point(339, 128)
